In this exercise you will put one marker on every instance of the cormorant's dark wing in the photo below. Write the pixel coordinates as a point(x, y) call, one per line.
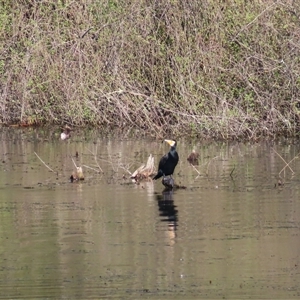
point(161, 164)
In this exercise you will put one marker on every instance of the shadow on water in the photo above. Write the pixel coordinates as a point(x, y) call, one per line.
point(167, 209)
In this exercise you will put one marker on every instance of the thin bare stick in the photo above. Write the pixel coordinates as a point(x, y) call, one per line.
point(287, 164)
point(118, 165)
point(82, 36)
point(89, 150)
point(91, 168)
point(125, 169)
point(283, 169)
point(195, 169)
point(247, 25)
point(44, 162)
point(74, 162)
point(110, 162)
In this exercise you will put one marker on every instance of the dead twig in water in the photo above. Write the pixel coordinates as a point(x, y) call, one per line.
point(44, 162)
point(195, 169)
point(287, 164)
point(124, 168)
point(97, 171)
point(74, 162)
point(118, 165)
point(95, 157)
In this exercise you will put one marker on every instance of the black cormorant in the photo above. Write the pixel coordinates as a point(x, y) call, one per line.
point(168, 162)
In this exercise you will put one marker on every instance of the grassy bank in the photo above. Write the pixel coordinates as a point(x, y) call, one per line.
point(223, 69)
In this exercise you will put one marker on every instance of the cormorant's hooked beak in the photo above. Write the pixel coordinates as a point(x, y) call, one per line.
point(171, 142)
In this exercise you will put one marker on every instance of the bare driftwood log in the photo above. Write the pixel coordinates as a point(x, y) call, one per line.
point(143, 171)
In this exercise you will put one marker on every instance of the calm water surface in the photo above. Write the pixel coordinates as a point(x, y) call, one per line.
point(231, 234)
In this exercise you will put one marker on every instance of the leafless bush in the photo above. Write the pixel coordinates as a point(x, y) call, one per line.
point(219, 69)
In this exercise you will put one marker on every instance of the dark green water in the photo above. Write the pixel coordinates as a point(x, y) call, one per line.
point(231, 234)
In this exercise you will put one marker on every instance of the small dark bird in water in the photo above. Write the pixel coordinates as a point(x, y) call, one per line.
point(66, 133)
point(193, 158)
point(168, 162)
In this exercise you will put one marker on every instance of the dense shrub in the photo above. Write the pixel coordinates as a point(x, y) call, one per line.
point(224, 69)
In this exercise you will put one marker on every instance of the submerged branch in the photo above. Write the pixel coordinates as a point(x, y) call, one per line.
point(287, 164)
point(195, 169)
point(96, 160)
point(44, 162)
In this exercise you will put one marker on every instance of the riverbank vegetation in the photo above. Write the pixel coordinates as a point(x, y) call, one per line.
point(212, 68)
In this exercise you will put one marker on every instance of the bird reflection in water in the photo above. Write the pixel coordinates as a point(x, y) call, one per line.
point(167, 209)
